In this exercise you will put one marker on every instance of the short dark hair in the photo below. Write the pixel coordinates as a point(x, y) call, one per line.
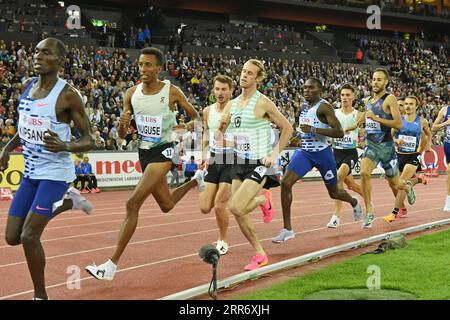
point(318, 81)
point(386, 74)
point(60, 46)
point(349, 87)
point(155, 52)
point(224, 79)
point(401, 98)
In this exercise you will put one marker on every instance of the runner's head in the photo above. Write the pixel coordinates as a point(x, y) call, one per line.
point(380, 80)
point(151, 63)
point(252, 74)
point(49, 55)
point(312, 89)
point(401, 105)
point(223, 88)
point(347, 95)
point(411, 104)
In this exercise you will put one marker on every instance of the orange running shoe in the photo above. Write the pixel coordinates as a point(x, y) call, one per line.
point(390, 218)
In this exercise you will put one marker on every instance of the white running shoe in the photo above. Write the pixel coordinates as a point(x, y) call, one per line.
point(79, 202)
point(104, 271)
point(200, 182)
point(222, 246)
point(284, 235)
point(334, 222)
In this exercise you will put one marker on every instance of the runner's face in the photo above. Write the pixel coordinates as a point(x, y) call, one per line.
point(149, 68)
point(347, 97)
point(249, 75)
point(311, 91)
point(410, 106)
point(46, 58)
point(379, 82)
point(222, 92)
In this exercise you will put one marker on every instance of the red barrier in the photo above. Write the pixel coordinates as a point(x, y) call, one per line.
point(435, 156)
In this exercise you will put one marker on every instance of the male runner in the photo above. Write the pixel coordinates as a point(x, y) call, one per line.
point(382, 114)
point(46, 108)
point(152, 102)
point(409, 144)
point(219, 160)
point(317, 122)
point(250, 115)
point(345, 149)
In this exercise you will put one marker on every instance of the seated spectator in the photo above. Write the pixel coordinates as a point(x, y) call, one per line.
point(92, 179)
point(81, 177)
point(99, 142)
point(121, 144)
point(190, 169)
point(133, 145)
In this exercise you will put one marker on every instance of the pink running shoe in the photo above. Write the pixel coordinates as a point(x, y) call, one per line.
point(258, 260)
point(267, 208)
point(402, 212)
point(84, 191)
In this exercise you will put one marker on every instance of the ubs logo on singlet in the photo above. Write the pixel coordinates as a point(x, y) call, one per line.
point(162, 99)
point(237, 122)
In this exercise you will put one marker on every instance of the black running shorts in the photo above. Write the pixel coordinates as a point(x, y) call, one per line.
point(408, 158)
point(220, 168)
point(162, 153)
point(255, 171)
point(347, 156)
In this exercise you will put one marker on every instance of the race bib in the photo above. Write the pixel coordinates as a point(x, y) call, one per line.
point(32, 129)
point(168, 153)
point(372, 126)
point(346, 142)
point(242, 144)
point(409, 143)
point(149, 128)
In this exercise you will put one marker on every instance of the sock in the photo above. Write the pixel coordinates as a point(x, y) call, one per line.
point(395, 211)
point(112, 265)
